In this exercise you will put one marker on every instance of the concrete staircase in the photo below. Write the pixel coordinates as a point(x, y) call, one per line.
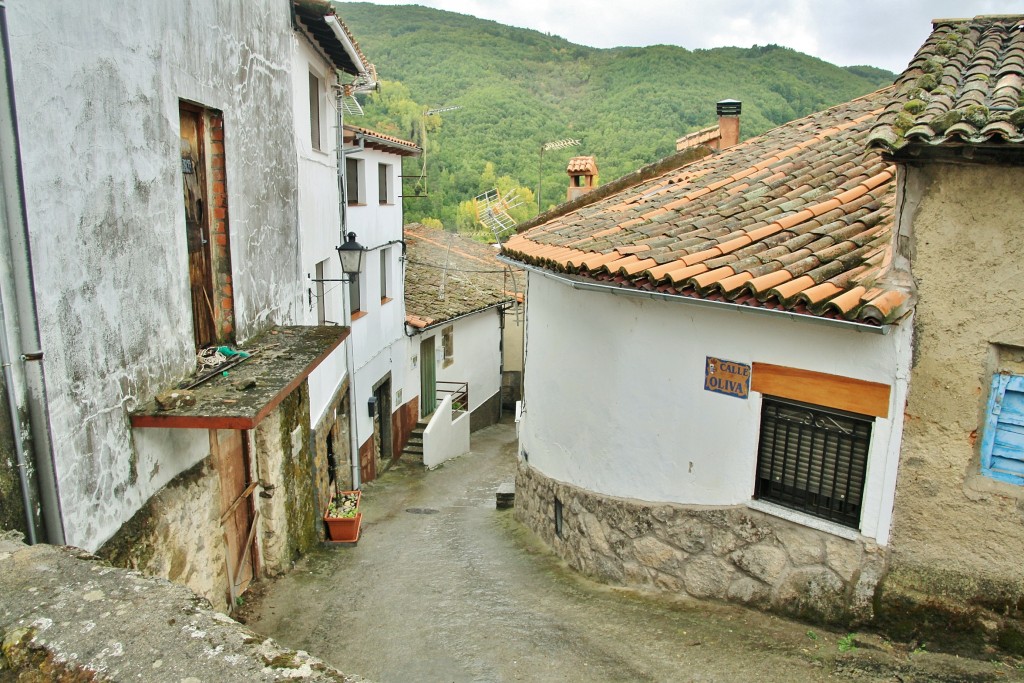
point(413, 451)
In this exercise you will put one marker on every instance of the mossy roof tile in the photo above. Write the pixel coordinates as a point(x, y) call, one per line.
point(775, 216)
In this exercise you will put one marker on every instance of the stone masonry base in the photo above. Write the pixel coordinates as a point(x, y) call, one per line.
point(726, 553)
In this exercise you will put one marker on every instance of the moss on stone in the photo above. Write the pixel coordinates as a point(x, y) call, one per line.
point(1017, 117)
point(976, 115)
point(940, 124)
point(927, 82)
point(903, 123)
point(1011, 639)
point(914, 106)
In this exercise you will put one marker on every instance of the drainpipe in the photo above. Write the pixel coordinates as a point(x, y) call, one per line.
point(20, 344)
point(350, 361)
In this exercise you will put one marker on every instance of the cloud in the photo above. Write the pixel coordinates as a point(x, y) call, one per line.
point(845, 32)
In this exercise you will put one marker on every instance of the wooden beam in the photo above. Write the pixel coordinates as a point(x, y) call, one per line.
point(818, 388)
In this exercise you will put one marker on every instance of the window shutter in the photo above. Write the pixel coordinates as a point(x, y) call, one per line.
point(1002, 447)
point(813, 459)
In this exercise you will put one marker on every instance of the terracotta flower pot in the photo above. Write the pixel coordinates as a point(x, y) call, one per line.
point(344, 529)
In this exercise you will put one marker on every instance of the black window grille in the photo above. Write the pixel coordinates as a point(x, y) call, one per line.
point(813, 459)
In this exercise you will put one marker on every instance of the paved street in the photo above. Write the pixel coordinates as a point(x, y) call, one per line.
point(444, 587)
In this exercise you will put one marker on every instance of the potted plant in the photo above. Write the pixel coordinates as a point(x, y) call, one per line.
point(343, 517)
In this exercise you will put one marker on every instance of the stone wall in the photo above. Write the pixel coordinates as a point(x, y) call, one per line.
point(177, 535)
point(66, 616)
point(724, 553)
point(290, 518)
point(334, 425)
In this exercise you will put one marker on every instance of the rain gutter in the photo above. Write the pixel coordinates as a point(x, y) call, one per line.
point(591, 286)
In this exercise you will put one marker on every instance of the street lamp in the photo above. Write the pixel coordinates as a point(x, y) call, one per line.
point(547, 147)
point(351, 255)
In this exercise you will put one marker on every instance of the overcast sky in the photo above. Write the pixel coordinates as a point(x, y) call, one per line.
point(883, 33)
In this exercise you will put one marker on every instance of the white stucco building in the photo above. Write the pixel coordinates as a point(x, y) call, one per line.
point(196, 205)
point(464, 332)
point(717, 358)
point(383, 407)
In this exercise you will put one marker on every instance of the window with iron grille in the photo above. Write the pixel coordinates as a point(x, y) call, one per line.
point(813, 459)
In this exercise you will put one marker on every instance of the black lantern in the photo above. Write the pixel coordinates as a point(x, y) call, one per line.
point(351, 255)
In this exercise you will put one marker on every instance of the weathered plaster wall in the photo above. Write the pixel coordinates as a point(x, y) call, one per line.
point(512, 340)
point(956, 533)
point(724, 553)
point(98, 87)
point(615, 400)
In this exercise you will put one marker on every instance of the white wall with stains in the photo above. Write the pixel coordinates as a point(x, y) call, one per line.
point(614, 398)
point(98, 86)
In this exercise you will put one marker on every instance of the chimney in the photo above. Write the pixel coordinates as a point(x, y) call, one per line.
point(728, 122)
point(582, 176)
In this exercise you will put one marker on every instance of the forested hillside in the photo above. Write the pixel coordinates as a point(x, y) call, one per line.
point(519, 88)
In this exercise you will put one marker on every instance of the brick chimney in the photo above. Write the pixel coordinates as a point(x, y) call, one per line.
point(728, 122)
point(582, 176)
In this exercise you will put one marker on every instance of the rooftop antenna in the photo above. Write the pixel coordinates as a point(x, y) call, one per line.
point(423, 144)
point(492, 211)
point(444, 273)
point(548, 147)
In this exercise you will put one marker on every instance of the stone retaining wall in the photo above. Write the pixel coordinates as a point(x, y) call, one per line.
point(728, 553)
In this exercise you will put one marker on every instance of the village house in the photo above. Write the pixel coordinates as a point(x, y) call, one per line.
point(955, 129)
point(465, 334)
point(787, 387)
point(182, 195)
point(716, 368)
point(385, 407)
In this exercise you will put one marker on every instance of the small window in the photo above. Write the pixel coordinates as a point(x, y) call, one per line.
point(321, 312)
point(316, 91)
point(1002, 445)
point(355, 182)
point(384, 191)
point(385, 274)
point(813, 459)
point(354, 294)
point(448, 345)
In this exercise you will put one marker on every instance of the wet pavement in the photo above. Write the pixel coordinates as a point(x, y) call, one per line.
point(444, 587)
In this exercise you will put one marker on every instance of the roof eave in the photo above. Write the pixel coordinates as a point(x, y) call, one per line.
point(581, 283)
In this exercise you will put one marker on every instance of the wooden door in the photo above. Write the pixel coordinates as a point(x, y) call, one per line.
point(237, 519)
point(428, 378)
point(197, 225)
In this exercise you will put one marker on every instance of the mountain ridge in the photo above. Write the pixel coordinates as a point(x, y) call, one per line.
point(518, 88)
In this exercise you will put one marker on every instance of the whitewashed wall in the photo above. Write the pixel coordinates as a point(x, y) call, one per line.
point(378, 337)
point(98, 86)
point(615, 400)
point(445, 438)
point(319, 216)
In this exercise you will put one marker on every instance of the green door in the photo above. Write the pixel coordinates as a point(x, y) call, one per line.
point(428, 386)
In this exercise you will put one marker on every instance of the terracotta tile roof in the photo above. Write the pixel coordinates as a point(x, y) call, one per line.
point(388, 143)
point(475, 278)
point(699, 137)
point(582, 165)
point(964, 86)
point(798, 219)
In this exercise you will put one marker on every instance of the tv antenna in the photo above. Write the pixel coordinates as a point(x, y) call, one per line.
point(548, 147)
point(492, 211)
point(423, 145)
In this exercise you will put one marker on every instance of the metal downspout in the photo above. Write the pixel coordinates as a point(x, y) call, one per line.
point(24, 372)
point(350, 361)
